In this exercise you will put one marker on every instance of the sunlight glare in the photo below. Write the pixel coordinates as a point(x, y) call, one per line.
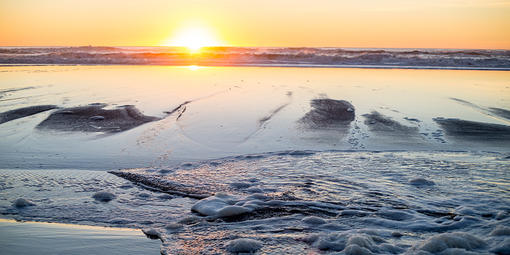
point(194, 67)
point(193, 38)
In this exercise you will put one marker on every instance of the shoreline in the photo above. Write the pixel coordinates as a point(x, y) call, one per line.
point(198, 65)
point(67, 165)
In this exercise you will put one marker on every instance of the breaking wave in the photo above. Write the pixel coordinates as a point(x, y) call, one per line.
point(245, 56)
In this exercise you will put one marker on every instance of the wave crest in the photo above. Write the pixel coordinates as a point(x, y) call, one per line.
point(245, 56)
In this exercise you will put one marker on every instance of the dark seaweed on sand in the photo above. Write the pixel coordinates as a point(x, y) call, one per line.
point(93, 118)
point(328, 113)
point(378, 122)
point(474, 130)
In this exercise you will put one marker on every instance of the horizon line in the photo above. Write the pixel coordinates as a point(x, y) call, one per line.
point(231, 46)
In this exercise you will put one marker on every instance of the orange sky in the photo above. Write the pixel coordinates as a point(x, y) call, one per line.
point(335, 23)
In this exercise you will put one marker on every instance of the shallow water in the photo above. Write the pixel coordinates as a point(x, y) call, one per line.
point(36, 238)
point(259, 153)
point(394, 201)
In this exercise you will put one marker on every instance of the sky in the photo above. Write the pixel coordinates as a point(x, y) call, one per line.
point(264, 23)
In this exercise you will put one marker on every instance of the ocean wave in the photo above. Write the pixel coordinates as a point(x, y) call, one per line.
point(242, 56)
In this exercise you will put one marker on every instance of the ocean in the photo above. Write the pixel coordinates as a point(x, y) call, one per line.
point(258, 56)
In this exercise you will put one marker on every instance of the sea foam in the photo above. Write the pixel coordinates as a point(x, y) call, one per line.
point(320, 57)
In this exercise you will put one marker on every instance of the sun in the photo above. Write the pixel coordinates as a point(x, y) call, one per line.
point(193, 38)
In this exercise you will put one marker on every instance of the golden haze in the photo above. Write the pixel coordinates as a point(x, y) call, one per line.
point(336, 23)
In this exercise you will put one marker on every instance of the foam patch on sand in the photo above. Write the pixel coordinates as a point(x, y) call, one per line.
point(353, 242)
point(450, 243)
point(219, 205)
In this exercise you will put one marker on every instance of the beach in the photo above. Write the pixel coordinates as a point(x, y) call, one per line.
point(197, 113)
point(263, 159)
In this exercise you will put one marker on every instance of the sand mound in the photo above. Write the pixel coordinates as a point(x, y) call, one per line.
point(24, 112)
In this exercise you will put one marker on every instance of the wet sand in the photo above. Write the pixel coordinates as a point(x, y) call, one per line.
point(152, 115)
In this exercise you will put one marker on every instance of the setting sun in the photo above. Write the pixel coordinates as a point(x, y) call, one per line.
point(193, 38)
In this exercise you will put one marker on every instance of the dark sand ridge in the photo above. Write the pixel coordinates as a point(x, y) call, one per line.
point(90, 118)
point(500, 112)
point(180, 109)
point(379, 123)
point(328, 113)
point(264, 120)
point(492, 111)
point(472, 130)
point(7, 91)
point(93, 118)
point(325, 114)
point(24, 112)
point(480, 131)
